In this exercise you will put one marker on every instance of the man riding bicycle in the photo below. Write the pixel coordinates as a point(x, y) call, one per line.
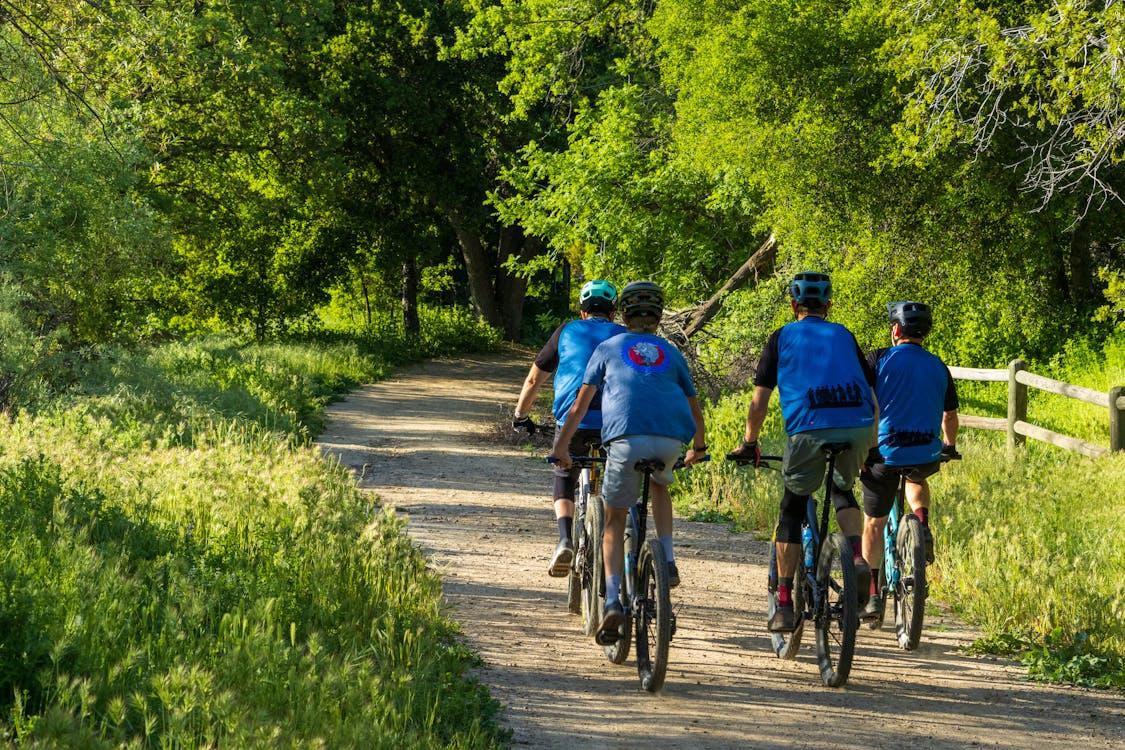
point(649, 411)
point(566, 354)
point(917, 408)
point(825, 388)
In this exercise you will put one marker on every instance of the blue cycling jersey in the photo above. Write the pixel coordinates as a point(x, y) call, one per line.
point(566, 354)
point(645, 384)
point(914, 388)
point(822, 378)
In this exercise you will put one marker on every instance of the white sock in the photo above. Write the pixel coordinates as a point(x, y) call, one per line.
point(666, 543)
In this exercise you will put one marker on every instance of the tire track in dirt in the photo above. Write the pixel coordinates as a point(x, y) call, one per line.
point(481, 513)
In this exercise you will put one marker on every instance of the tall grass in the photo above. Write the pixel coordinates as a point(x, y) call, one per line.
point(178, 567)
point(1028, 547)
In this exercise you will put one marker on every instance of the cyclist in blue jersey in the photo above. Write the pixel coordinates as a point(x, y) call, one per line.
point(566, 354)
point(649, 410)
point(825, 388)
point(917, 425)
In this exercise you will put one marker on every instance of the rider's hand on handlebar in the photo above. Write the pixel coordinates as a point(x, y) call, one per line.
point(524, 424)
point(560, 456)
point(693, 456)
point(747, 453)
point(949, 453)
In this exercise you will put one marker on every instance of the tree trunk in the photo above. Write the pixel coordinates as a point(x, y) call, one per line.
point(761, 260)
point(366, 300)
point(480, 268)
point(410, 298)
point(513, 289)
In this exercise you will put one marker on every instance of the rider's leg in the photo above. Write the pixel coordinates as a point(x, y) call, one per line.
point(662, 516)
point(918, 495)
point(850, 519)
point(613, 546)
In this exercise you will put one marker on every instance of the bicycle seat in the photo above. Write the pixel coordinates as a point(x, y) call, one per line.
point(835, 449)
point(649, 464)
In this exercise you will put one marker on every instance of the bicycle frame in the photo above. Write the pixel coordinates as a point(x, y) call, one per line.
point(890, 534)
point(819, 534)
point(638, 518)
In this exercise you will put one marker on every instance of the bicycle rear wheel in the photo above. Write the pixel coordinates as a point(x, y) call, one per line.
point(653, 617)
point(837, 612)
point(786, 645)
point(574, 580)
point(618, 652)
point(591, 568)
point(910, 594)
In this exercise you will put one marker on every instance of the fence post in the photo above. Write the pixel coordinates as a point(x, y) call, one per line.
point(1017, 403)
point(1116, 420)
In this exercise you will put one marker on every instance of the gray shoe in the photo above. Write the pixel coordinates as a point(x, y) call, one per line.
point(784, 620)
point(673, 575)
point(560, 562)
point(873, 612)
point(613, 617)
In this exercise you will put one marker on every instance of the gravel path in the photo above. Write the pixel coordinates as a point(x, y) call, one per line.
point(481, 513)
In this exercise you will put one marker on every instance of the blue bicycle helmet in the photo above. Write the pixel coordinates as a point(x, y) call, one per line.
point(915, 318)
point(597, 295)
point(811, 289)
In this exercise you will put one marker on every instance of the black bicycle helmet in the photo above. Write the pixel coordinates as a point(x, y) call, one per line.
point(915, 318)
point(641, 298)
point(811, 289)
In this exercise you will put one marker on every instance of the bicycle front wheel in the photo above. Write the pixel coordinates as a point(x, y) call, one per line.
point(618, 652)
point(653, 617)
point(837, 611)
point(786, 645)
point(910, 594)
point(591, 568)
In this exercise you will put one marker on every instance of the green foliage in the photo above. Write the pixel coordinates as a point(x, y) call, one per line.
point(177, 568)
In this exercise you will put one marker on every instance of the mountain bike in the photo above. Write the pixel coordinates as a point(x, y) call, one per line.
point(589, 518)
point(903, 573)
point(824, 589)
point(646, 592)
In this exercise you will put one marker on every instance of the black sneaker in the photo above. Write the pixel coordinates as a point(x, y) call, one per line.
point(784, 620)
point(862, 581)
point(613, 617)
point(873, 612)
point(928, 538)
point(673, 575)
point(560, 562)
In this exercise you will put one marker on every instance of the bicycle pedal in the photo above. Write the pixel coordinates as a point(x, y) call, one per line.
point(607, 639)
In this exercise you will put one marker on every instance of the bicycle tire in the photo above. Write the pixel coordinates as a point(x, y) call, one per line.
point(574, 579)
point(653, 618)
point(835, 575)
point(787, 645)
point(910, 594)
point(593, 593)
point(618, 652)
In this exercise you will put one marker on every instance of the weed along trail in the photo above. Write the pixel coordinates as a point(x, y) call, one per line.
point(480, 511)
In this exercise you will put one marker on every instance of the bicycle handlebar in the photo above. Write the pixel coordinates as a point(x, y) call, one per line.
point(763, 460)
point(580, 461)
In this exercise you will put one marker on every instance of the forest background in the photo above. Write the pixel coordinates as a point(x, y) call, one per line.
point(215, 215)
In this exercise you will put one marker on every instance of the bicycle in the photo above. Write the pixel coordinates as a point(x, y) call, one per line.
point(904, 545)
point(647, 594)
point(824, 588)
point(581, 594)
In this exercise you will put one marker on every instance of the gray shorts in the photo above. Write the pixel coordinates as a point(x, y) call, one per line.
point(621, 483)
point(804, 462)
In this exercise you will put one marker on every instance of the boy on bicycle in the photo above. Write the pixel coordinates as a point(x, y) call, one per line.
point(566, 354)
point(917, 408)
point(825, 387)
point(649, 411)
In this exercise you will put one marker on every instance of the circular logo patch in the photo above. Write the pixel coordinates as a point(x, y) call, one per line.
point(646, 356)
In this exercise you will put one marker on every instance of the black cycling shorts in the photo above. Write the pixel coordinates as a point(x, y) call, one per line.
point(880, 483)
point(580, 445)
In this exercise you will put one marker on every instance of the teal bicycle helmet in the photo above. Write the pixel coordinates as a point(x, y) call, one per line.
point(597, 295)
point(811, 289)
point(915, 318)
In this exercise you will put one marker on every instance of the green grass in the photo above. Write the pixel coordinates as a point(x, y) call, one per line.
point(1029, 547)
point(179, 567)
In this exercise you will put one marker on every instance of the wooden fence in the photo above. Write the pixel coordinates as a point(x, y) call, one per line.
point(1016, 425)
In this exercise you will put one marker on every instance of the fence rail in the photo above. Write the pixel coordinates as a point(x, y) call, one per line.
point(1016, 425)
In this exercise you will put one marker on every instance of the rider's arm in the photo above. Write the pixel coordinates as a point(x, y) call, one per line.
point(531, 385)
point(949, 425)
point(759, 406)
point(699, 440)
point(561, 451)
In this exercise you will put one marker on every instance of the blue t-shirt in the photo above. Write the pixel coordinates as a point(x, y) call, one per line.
point(566, 354)
point(645, 384)
point(822, 378)
point(914, 388)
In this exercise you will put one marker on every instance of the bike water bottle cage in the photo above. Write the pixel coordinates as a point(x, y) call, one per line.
point(915, 319)
point(811, 289)
point(597, 296)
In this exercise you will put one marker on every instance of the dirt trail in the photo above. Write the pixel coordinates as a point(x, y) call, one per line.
point(480, 512)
